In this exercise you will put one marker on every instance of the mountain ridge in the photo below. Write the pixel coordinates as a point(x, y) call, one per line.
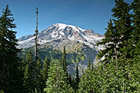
point(62, 32)
point(80, 44)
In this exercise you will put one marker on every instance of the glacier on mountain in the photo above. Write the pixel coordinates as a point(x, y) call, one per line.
point(63, 32)
point(59, 34)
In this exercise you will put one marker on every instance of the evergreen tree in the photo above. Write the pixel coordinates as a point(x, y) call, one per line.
point(39, 76)
point(89, 66)
point(64, 65)
point(33, 79)
point(46, 67)
point(10, 75)
point(28, 74)
point(136, 33)
point(110, 79)
point(117, 38)
point(118, 53)
point(26, 78)
point(86, 82)
point(121, 79)
point(92, 66)
point(64, 62)
point(70, 80)
point(77, 77)
point(110, 43)
point(57, 80)
point(123, 26)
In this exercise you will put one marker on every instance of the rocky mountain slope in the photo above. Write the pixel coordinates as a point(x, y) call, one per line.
point(62, 32)
point(76, 40)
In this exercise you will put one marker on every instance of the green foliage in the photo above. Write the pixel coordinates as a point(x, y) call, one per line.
point(120, 67)
point(110, 41)
point(136, 24)
point(32, 74)
point(111, 78)
point(77, 78)
point(119, 72)
point(64, 62)
point(28, 72)
point(1, 91)
point(86, 84)
point(89, 64)
point(35, 74)
point(46, 67)
point(57, 80)
point(117, 37)
point(56, 53)
point(10, 73)
point(38, 76)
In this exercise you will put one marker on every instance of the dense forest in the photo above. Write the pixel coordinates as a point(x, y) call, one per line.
point(118, 69)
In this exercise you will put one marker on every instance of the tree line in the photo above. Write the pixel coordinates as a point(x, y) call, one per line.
point(26, 75)
point(117, 69)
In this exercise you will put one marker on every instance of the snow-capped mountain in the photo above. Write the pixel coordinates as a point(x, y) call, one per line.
point(62, 32)
point(80, 44)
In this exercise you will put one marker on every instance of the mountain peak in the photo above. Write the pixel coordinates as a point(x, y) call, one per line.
point(61, 32)
point(63, 26)
point(60, 25)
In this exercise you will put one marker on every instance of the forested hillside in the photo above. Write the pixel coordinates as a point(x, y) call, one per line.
point(117, 69)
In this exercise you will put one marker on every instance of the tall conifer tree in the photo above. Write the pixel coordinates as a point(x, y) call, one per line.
point(9, 61)
point(136, 34)
point(28, 73)
point(117, 37)
point(123, 26)
point(46, 67)
point(64, 65)
point(64, 62)
point(110, 42)
point(89, 64)
point(57, 80)
point(39, 76)
point(77, 79)
point(87, 82)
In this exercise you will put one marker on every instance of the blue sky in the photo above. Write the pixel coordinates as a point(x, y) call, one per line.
point(87, 14)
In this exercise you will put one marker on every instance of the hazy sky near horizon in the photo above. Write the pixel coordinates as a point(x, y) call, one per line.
point(87, 14)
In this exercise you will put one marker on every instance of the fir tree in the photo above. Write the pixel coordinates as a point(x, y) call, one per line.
point(10, 75)
point(28, 74)
point(57, 80)
point(77, 77)
point(136, 33)
point(117, 52)
point(117, 38)
point(26, 78)
point(64, 62)
point(70, 80)
point(86, 82)
point(110, 42)
point(64, 65)
point(123, 27)
point(33, 79)
point(46, 67)
point(39, 76)
point(89, 66)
